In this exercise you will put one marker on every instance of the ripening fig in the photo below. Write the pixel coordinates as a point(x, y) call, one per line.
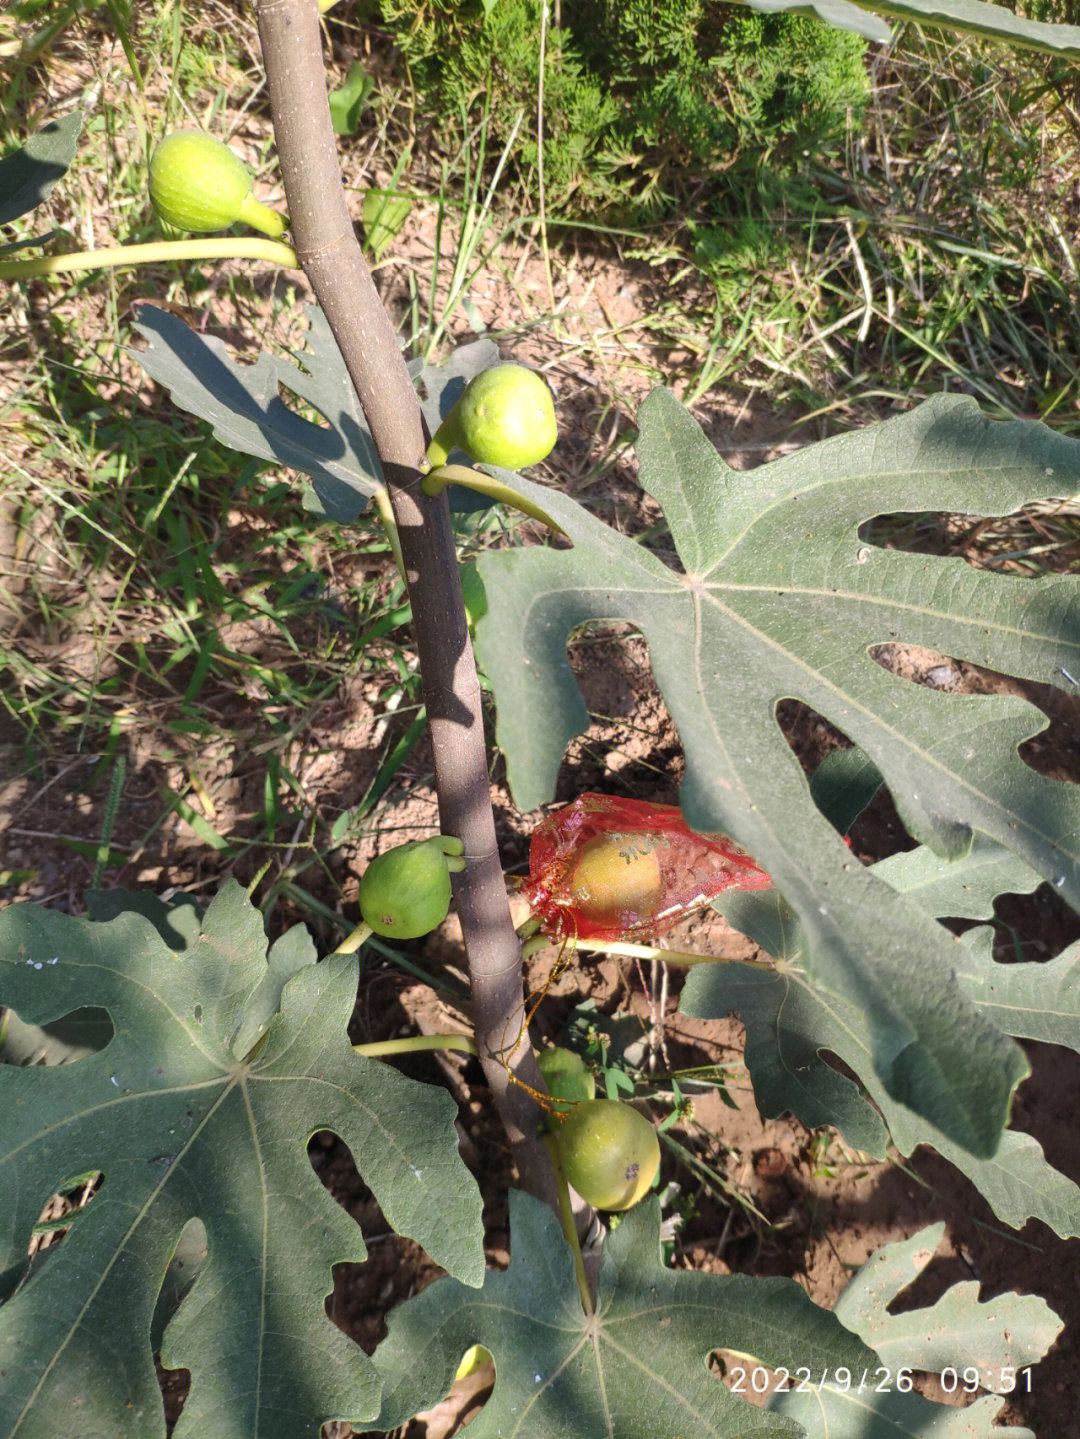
point(198, 184)
point(405, 891)
point(617, 875)
point(609, 1152)
point(505, 417)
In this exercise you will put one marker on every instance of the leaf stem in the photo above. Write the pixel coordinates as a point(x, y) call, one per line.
point(417, 1044)
point(445, 438)
point(623, 949)
point(240, 247)
point(389, 524)
point(435, 481)
point(569, 1228)
point(352, 941)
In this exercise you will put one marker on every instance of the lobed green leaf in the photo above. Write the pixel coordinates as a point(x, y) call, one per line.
point(789, 1024)
point(779, 596)
point(635, 1368)
point(242, 403)
point(222, 1064)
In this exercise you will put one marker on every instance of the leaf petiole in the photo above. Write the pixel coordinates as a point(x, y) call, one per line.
point(435, 481)
point(243, 247)
point(623, 949)
point(569, 1228)
point(417, 1044)
point(389, 524)
point(352, 941)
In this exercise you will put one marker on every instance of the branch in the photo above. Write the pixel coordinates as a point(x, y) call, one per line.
point(332, 260)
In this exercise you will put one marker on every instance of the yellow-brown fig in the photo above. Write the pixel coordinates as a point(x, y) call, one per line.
point(616, 876)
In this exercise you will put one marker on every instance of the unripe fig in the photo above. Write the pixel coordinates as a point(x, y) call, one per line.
point(568, 1078)
point(405, 892)
point(198, 184)
point(609, 1153)
point(505, 417)
point(617, 875)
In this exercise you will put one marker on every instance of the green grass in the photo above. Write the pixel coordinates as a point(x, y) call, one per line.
point(193, 593)
point(174, 624)
point(182, 646)
point(936, 257)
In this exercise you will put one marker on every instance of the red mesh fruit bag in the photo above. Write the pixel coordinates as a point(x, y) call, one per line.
point(608, 868)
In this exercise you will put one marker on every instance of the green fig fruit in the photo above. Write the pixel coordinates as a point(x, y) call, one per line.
point(609, 1153)
point(567, 1076)
point(405, 891)
point(505, 417)
point(198, 184)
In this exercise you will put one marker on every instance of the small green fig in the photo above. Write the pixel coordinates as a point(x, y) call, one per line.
point(609, 1153)
point(567, 1076)
point(405, 891)
point(505, 417)
point(198, 184)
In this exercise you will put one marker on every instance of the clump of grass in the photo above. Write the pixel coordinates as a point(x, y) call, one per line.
point(176, 628)
point(936, 256)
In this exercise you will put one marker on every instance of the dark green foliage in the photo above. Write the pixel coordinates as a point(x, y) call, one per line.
point(789, 75)
point(642, 98)
point(456, 55)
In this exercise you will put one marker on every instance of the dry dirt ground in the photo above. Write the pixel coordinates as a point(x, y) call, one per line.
point(787, 1201)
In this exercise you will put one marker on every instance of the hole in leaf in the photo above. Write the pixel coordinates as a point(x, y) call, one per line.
point(303, 408)
point(468, 1394)
point(395, 1267)
point(810, 735)
point(1039, 539)
point(175, 1384)
point(63, 1210)
point(1053, 752)
point(631, 746)
point(60, 1212)
point(923, 667)
point(876, 830)
point(1033, 927)
point(74, 1036)
point(187, 1260)
point(184, 1267)
point(750, 1379)
point(1042, 1107)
